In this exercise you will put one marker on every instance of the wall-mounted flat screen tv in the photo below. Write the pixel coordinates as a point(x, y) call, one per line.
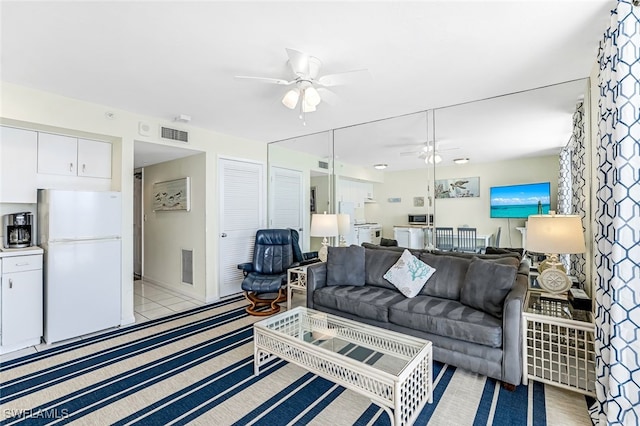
point(520, 201)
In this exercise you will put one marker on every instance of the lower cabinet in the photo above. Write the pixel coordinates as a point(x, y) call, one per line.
point(21, 302)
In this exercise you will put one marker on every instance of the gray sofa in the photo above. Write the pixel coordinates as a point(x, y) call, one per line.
point(479, 340)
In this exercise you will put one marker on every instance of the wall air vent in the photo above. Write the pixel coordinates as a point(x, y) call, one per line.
point(174, 134)
point(187, 266)
point(323, 165)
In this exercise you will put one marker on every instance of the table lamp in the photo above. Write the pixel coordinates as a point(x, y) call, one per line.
point(553, 235)
point(324, 225)
point(344, 228)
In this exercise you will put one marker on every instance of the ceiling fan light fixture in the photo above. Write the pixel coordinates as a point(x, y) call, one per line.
point(431, 159)
point(311, 96)
point(307, 107)
point(464, 160)
point(290, 99)
point(380, 166)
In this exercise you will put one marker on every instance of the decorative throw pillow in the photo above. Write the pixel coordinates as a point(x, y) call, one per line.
point(486, 285)
point(409, 274)
point(345, 265)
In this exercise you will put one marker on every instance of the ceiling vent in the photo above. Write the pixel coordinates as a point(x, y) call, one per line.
point(323, 165)
point(174, 134)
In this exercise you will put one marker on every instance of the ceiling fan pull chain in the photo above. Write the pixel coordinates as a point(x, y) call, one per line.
point(302, 113)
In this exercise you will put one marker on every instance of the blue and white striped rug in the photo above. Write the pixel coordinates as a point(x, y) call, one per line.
point(197, 367)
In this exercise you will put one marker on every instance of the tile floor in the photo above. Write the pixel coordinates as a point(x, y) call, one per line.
point(150, 302)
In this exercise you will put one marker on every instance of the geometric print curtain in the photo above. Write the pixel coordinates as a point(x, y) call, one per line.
point(617, 216)
point(579, 188)
point(572, 187)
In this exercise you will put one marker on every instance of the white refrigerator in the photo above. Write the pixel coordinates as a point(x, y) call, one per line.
point(80, 232)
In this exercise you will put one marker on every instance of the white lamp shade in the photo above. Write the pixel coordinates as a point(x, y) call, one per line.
point(324, 225)
point(344, 223)
point(557, 234)
point(306, 107)
point(290, 99)
point(433, 158)
point(311, 96)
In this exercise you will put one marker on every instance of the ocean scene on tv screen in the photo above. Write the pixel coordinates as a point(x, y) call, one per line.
point(520, 201)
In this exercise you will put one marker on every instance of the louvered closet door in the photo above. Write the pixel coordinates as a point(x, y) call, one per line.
point(286, 200)
point(241, 215)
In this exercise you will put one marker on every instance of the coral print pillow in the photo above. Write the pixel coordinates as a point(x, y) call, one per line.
point(409, 274)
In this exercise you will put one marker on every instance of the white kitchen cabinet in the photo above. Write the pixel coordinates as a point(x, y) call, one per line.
point(69, 156)
point(21, 302)
point(94, 159)
point(57, 154)
point(18, 159)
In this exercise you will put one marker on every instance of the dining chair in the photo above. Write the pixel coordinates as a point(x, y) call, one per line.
point(467, 240)
point(444, 238)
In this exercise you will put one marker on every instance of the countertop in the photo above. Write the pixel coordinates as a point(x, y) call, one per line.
point(413, 226)
point(8, 252)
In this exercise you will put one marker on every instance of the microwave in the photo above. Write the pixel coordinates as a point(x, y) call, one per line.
point(420, 219)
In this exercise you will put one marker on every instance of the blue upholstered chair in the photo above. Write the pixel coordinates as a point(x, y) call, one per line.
point(265, 278)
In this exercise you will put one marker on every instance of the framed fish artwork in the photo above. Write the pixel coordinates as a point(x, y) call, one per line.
point(457, 187)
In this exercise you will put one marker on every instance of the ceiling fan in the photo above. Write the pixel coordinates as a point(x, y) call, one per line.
point(310, 88)
point(428, 153)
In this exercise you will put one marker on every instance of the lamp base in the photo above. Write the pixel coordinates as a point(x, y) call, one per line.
point(343, 242)
point(551, 262)
point(322, 253)
point(554, 280)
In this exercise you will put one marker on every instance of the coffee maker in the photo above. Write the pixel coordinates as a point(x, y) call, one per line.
point(18, 228)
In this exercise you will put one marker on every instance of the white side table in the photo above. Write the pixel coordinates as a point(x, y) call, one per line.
point(296, 280)
point(558, 344)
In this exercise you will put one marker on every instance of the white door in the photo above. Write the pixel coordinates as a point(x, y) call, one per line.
point(94, 158)
point(75, 215)
point(82, 288)
point(21, 306)
point(241, 199)
point(286, 200)
point(57, 154)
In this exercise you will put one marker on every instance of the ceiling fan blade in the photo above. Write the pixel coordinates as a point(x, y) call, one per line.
point(299, 62)
point(328, 96)
point(409, 153)
point(346, 77)
point(267, 80)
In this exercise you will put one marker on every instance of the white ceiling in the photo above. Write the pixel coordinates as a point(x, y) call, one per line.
point(168, 58)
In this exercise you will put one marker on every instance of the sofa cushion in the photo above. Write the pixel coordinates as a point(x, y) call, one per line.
point(486, 285)
point(376, 264)
point(366, 302)
point(409, 274)
point(449, 276)
point(448, 318)
point(345, 265)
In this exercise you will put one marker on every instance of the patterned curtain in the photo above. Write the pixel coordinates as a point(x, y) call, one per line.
point(572, 187)
point(579, 188)
point(617, 234)
point(565, 191)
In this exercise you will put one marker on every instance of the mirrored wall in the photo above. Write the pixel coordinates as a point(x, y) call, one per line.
point(439, 163)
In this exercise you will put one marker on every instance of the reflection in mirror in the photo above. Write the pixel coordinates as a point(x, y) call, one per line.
point(300, 183)
point(370, 158)
point(506, 140)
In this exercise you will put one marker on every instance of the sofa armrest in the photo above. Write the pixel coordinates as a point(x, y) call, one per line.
point(316, 278)
point(512, 332)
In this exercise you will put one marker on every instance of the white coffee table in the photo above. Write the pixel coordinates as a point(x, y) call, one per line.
point(396, 376)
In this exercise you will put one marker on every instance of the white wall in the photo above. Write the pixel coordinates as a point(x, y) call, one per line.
point(39, 110)
point(167, 233)
point(456, 212)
